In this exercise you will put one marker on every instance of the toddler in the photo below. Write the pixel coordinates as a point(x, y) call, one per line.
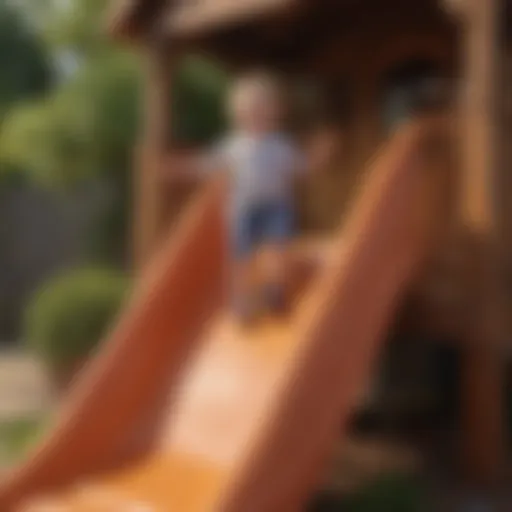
point(263, 163)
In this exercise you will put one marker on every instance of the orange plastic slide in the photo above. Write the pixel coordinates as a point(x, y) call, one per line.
point(184, 411)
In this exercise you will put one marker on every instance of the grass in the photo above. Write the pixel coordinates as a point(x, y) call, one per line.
point(393, 493)
point(16, 437)
point(389, 493)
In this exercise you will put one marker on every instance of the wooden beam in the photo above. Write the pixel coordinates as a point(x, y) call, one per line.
point(149, 198)
point(484, 445)
point(455, 7)
point(194, 17)
point(129, 19)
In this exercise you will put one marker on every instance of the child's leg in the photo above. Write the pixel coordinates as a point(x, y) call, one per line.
point(279, 229)
point(276, 275)
point(243, 301)
point(243, 275)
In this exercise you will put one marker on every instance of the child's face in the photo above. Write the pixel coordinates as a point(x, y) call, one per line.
point(256, 109)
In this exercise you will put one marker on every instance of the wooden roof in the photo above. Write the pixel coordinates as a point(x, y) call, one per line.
point(196, 16)
point(264, 32)
point(131, 18)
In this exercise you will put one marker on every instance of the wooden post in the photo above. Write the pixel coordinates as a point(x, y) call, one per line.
point(483, 431)
point(368, 122)
point(149, 207)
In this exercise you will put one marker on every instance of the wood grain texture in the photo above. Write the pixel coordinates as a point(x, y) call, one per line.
point(245, 417)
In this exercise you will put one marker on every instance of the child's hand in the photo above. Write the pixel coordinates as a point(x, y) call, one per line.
point(324, 148)
point(180, 167)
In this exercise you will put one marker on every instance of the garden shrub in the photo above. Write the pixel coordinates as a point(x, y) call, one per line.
point(392, 493)
point(69, 315)
point(17, 437)
point(388, 493)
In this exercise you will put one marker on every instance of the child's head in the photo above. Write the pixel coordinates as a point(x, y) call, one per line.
point(256, 104)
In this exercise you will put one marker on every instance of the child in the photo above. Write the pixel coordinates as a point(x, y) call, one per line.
point(263, 163)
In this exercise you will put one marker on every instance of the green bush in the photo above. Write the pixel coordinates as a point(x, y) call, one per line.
point(393, 493)
point(17, 437)
point(69, 315)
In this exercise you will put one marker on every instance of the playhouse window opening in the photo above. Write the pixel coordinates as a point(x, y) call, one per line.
point(409, 89)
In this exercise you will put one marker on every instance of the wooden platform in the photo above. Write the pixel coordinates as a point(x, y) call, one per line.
point(219, 409)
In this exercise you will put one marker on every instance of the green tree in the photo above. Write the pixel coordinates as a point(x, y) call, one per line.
point(26, 70)
point(199, 106)
point(82, 130)
point(86, 128)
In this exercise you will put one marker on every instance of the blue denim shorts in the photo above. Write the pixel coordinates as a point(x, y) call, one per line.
point(257, 225)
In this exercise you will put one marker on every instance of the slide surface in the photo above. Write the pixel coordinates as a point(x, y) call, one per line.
point(185, 411)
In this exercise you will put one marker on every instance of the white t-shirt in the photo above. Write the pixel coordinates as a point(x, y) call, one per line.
point(262, 169)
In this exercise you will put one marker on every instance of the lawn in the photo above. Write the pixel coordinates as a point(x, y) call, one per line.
point(388, 493)
point(16, 437)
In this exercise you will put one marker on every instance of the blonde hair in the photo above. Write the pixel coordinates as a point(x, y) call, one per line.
point(255, 83)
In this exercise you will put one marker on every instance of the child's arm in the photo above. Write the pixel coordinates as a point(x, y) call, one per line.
point(182, 167)
point(319, 153)
point(188, 166)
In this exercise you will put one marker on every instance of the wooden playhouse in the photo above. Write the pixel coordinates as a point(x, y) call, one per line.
point(362, 61)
